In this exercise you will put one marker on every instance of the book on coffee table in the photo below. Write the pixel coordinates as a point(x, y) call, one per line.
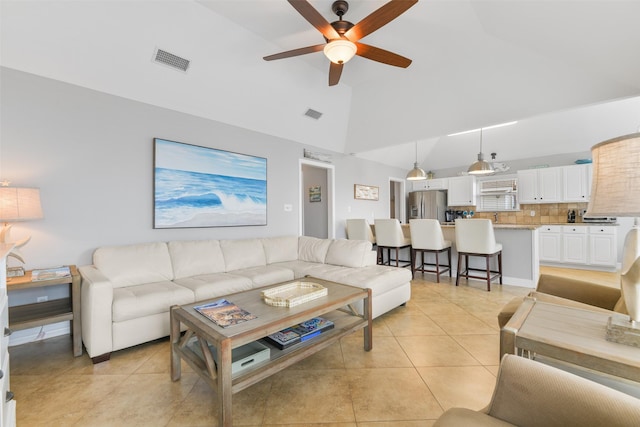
point(300, 332)
point(224, 313)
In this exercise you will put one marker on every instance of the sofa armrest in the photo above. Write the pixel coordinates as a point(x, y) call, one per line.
point(96, 313)
point(529, 393)
point(578, 290)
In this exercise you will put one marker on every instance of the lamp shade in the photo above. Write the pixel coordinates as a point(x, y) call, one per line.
point(615, 188)
point(19, 204)
point(481, 167)
point(340, 51)
point(416, 174)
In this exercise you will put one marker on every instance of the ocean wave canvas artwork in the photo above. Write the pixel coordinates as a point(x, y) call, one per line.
point(205, 187)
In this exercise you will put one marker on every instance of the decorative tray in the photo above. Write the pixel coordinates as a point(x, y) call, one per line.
point(294, 293)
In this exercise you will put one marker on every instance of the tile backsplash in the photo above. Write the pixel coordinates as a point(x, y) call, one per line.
point(548, 213)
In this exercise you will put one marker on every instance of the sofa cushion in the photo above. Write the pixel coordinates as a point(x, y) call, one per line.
point(207, 286)
point(266, 275)
point(132, 302)
point(244, 253)
point(380, 279)
point(312, 249)
point(280, 249)
point(132, 265)
point(348, 253)
point(196, 257)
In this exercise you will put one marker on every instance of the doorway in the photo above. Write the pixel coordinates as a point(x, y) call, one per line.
point(397, 197)
point(316, 199)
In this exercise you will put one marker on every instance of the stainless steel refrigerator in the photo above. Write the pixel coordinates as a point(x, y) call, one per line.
point(430, 204)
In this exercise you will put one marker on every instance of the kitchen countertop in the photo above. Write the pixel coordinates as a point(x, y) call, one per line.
point(535, 226)
point(498, 226)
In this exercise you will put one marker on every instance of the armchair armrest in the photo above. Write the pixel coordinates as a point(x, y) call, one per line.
point(578, 290)
point(530, 393)
point(96, 302)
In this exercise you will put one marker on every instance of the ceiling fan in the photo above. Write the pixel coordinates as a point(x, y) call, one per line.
point(342, 36)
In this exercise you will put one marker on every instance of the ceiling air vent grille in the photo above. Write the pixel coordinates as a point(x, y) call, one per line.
point(313, 114)
point(173, 61)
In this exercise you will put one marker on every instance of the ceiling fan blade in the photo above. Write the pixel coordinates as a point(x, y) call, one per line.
point(381, 55)
point(309, 13)
point(295, 52)
point(378, 18)
point(335, 71)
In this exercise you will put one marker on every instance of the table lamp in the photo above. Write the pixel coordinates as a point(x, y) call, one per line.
point(615, 191)
point(17, 204)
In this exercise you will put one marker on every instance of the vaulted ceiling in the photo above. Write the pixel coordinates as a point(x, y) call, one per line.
point(548, 64)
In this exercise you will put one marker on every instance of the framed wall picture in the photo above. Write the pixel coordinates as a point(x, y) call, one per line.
point(365, 192)
point(315, 193)
point(205, 187)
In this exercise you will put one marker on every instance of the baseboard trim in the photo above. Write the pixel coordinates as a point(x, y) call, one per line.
point(39, 333)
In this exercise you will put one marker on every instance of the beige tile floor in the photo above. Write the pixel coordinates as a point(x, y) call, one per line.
point(439, 351)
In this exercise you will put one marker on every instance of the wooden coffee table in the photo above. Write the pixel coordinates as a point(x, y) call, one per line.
point(335, 306)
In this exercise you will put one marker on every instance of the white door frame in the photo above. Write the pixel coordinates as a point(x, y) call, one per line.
point(331, 230)
point(403, 205)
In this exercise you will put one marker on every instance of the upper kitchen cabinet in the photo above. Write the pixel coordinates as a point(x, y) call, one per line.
point(462, 191)
point(540, 185)
point(431, 184)
point(576, 182)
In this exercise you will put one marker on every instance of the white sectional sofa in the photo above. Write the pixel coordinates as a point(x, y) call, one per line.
point(127, 291)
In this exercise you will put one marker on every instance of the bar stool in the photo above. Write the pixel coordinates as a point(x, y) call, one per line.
point(475, 237)
point(389, 236)
point(359, 229)
point(426, 236)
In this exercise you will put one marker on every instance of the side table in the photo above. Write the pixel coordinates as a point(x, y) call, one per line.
point(48, 312)
point(571, 335)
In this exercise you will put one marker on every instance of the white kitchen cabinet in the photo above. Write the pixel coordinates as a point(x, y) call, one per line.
point(576, 181)
point(603, 246)
point(540, 185)
point(587, 245)
point(462, 191)
point(574, 244)
point(550, 243)
point(431, 184)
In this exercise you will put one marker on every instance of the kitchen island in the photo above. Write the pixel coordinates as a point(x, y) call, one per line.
point(520, 254)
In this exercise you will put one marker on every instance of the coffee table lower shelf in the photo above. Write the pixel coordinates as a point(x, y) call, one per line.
point(278, 359)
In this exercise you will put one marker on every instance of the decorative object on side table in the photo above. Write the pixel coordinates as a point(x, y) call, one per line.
point(615, 191)
point(17, 204)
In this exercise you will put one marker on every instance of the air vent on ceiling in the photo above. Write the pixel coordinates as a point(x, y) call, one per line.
point(173, 61)
point(313, 114)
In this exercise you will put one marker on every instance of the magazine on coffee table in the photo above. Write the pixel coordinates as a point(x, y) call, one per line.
point(224, 313)
point(300, 332)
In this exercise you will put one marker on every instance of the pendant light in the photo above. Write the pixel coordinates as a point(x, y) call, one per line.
point(481, 167)
point(416, 174)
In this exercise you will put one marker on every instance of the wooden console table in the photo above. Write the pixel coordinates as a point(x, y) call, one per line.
point(48, 312)
point(570, 335)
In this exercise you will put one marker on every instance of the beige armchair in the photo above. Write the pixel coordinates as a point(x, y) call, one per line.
point(529, 394)
point(572, 292)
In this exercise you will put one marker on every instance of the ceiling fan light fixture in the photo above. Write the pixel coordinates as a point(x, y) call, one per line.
point(340, 51)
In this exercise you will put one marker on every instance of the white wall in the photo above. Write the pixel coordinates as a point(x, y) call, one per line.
point(91, 154)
